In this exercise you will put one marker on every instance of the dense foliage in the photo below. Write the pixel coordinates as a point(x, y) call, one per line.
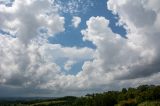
point(140, 96)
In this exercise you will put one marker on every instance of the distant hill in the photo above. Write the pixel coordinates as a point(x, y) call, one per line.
point(144, 95)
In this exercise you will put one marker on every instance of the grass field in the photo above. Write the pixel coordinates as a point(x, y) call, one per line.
point(47, 103)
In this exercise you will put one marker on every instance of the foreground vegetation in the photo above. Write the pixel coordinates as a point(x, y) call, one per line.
point(144, 95)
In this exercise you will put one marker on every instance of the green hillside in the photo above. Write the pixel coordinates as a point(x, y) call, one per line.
point(144, 95)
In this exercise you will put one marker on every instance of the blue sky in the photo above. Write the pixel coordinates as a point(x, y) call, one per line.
point(73, 37)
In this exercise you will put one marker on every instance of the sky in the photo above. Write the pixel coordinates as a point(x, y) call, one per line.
point(74, 47)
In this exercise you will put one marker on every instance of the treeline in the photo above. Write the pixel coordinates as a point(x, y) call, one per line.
point(144, 95)
point(125, 97)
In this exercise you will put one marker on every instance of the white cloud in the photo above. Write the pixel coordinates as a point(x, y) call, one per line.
point(76, 21)
point(119, 60)
point(28, 61)
point(26, 23)
point(73, 6)
point(37, 66)
point(68, 65)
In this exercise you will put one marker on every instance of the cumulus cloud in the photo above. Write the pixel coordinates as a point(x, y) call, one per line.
point(76, 21)
point(148, 33)
point(37, 66)
point(119, 60)
point(112, 50)
point(26, 23)
point(28, 62)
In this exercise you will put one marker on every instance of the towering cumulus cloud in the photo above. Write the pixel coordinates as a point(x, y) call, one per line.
point(31, 66)
point(132, 61)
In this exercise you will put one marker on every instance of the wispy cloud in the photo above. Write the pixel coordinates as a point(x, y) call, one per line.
point(73, 6)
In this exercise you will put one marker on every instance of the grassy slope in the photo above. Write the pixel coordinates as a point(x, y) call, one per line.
point(150, 103)
point(48, 102)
